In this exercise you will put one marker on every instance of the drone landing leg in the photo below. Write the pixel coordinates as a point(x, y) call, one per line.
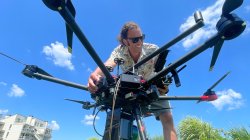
point(141, 127)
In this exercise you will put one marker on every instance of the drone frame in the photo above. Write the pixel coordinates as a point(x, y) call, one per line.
point(224, 28)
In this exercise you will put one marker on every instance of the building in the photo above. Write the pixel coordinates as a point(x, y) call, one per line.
point(18, 127)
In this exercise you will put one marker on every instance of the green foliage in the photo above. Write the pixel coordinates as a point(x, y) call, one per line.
point(192, 128)
point(240, 133)
point(157, 138)
point(93, 138)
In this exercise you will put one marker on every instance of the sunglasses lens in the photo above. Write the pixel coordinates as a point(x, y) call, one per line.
point(136, 39)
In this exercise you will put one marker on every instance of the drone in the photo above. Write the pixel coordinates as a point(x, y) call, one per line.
point(115, 92)
point(229, 27)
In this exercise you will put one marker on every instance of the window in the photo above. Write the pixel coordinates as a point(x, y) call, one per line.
point(10, 126)
point(18, 120)
point(7, 134)
point(22, 136)
point(41, 125)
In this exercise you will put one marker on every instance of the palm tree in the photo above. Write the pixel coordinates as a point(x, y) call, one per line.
point(240, 133)
point(192, 128)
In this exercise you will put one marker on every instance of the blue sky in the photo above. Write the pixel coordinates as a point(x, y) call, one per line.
point(33, 34)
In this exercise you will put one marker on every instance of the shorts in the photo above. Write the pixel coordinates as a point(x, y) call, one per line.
point(160, 106)
point(157, 108)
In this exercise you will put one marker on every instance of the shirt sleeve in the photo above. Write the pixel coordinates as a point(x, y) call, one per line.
point(114, 54)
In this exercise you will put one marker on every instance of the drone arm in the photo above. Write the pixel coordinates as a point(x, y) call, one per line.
point(185, 58)
point(198, 98)
point(179, 98)
point(65, 13)
point(59, 81)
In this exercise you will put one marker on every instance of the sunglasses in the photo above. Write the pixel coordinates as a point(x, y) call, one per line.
point(136, 39)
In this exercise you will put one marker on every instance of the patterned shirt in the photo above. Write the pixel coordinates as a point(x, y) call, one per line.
point(146, 70)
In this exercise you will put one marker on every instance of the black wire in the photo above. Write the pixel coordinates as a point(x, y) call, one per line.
point(94, 123)
point(12, 58)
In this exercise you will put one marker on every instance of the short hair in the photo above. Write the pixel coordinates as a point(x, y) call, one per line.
point(124, 31)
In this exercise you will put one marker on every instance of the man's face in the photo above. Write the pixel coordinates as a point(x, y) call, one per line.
point(134, 40)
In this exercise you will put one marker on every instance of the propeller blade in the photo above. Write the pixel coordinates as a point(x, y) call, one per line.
point(69, 38)
point(53, 4)
point(68, 30)
point(85, 105)
point(215, 84)
point(77, 101)
point(216, 52)
point(231, 5)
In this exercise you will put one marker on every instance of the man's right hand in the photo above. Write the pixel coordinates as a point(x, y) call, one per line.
point(93, 81)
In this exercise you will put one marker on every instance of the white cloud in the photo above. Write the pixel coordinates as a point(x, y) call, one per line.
point(54, 125)
point(3, 83)
point(88, 119)
point(16, 91)
point(210, 15)
point(59, 55)
point(228, 99)
point(3, 112)
point(88, 69)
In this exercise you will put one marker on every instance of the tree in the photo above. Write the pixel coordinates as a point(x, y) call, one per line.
point(192, 128)
point(240, 133)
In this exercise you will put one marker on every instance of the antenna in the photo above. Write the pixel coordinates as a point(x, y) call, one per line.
point(12, 58)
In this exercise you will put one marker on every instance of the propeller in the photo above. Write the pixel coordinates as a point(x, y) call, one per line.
point(77, 101)
point(53, 4)
point(210, 95)
point(229, 26)
point(216, 52)
point(57, 5)
point(231, 5)
point(216, 83)
point(85, 105)
point(68, 29)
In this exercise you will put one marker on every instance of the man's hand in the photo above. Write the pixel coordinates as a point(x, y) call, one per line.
point(162, 87)
point(163, 90)
point(93, 81)
point(97, 76)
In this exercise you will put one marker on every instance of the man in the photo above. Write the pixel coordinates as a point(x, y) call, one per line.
point(132, 49)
